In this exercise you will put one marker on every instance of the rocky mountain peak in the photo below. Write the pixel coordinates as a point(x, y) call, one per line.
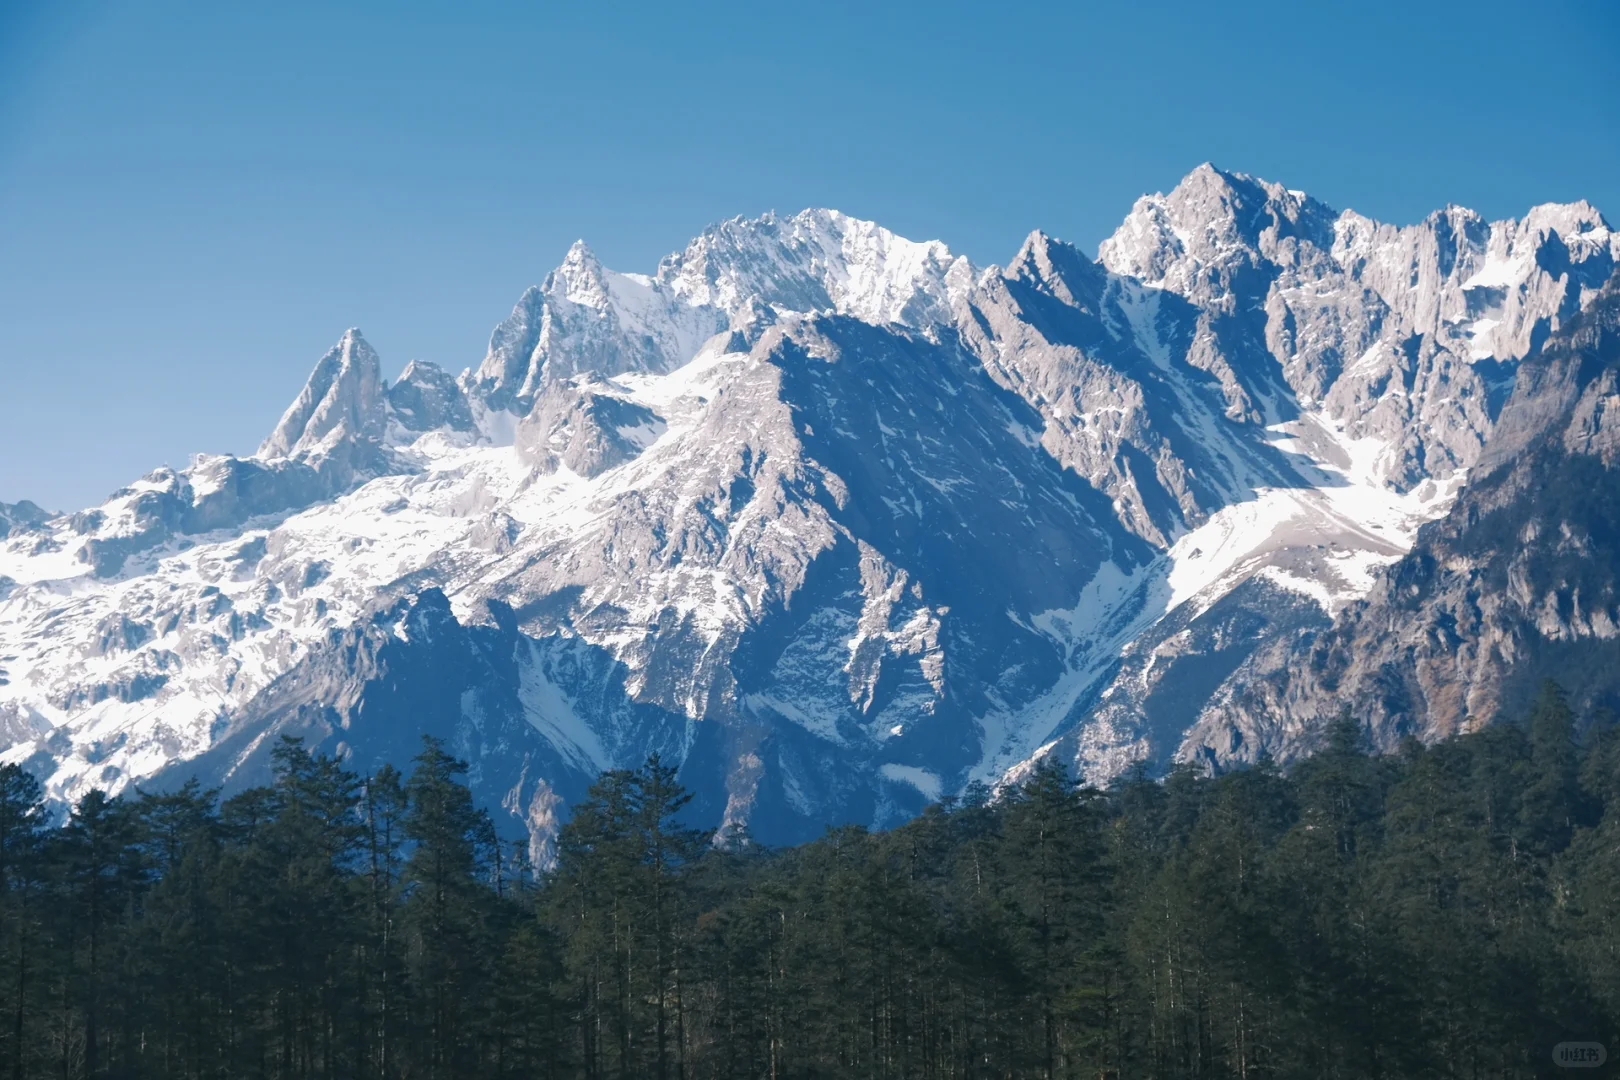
point(1570, 221)
point(15, 517)
point(580, 278)
point(342, 401)
point(1056, 268)
point(427, 397)
point(1212, 226)
point(817, 260)
point(585, 317)
point(588, 318)
point(511, 350)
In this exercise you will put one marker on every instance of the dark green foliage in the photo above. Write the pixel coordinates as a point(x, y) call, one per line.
point(1449, 911)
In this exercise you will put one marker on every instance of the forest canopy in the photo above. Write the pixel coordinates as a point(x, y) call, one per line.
point(1450, 910)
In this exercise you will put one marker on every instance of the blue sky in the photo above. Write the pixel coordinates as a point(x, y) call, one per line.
point(197, 199)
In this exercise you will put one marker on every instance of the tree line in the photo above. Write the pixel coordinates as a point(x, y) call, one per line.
point(1446, 911)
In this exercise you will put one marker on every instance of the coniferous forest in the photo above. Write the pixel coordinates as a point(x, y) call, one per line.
point(1447, 911)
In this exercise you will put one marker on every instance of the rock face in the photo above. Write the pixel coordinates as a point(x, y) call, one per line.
point(587, 425)
point(833, 518)
point(426, 398)
point(1515, 585)
point(1406, 335)
point(342, 405)
point(21, 517)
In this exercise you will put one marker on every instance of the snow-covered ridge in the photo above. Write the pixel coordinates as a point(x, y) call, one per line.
point(128, 673)
point(733, 277)
point(819, 260)
point(831, 515)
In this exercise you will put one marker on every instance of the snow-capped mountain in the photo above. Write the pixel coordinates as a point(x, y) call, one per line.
point(585, 318)
point(833, 518)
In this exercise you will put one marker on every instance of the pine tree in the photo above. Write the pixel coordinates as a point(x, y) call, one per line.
point(667, 849)
point(1054, 889)
point(1550, 802)
point(304, 857)
point(444, 909)
point(95, 871)
point(383, 808)
point(22, 824)
point(177, 956)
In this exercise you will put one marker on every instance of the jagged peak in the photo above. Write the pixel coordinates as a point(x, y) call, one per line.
point(1467, 226)
point(800, 228)
point(581, 278)
point(1497, 254)
point(769, 223)
point(21, 515)
point(1207, 175)
point(343, 396)
point(1206, 182)
point(1038, 240)
point(1051, 265)
point(1213, 216)
point(1569, 220)
point(351, 349)
point(1040, 245)
point(426, 397)
point(816, 259)
point(26, 509)
point(587, 316)
point(423, 371)
point(1572, 220)
point(1454, 214)
point(1234, 189)
point(416, 369)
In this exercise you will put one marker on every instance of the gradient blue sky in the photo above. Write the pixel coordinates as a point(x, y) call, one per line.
point(197, 199)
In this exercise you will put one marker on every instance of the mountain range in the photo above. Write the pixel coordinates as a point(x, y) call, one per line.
point(843, 523)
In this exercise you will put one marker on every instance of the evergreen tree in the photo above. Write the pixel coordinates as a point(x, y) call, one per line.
point(383, 808)
point(1447, 911)
point(1054, 877)
point(445, 909)
point(22, 824)
point(1551, 802)
point(96, 875)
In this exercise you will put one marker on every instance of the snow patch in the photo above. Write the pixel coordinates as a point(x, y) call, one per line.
point(921, 779)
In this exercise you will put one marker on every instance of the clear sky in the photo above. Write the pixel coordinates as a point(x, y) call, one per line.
point(197, 199)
